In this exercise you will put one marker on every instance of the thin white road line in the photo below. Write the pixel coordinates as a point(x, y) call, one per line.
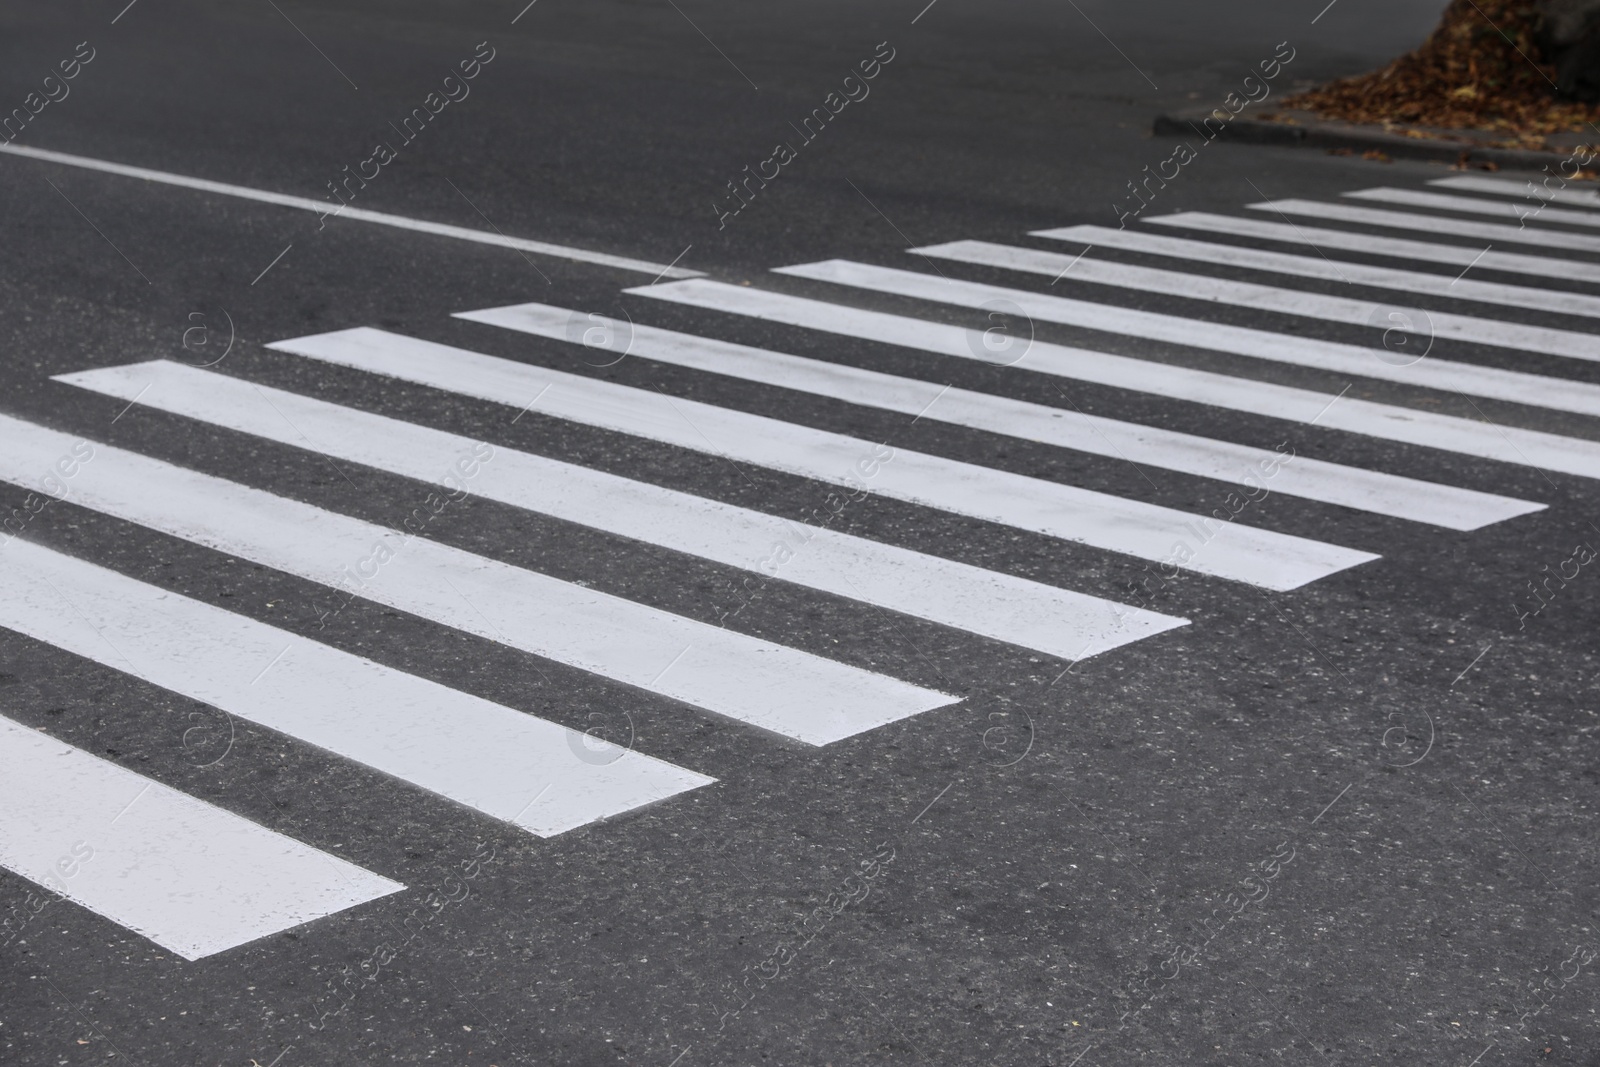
point(274, 262)
point(1506, 187)
point(1474, 205)
point(322, 208)
point(1331, 803)
point(1473, 664)
point(932, 802)
point(1544, 238)
point(313, 44)
point(713, 44)
point(498, 230)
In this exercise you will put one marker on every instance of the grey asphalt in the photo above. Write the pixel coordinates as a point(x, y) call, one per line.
point(1403, 771)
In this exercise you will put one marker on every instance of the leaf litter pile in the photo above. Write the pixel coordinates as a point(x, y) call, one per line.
point(1478, 71)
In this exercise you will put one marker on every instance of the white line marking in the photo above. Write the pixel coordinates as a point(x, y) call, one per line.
point(1203, 457)
point(1265, 399)
point(323, 207)
point(1377, 245)
point(450, 743)
point(1522, 190)
point(1471, 205)
point(1021, 612)
point(1268, 298)
point(794, 693)
point(1438, 224)
point(189, 876)
point(1473, 379)
point(1242, 553)
point(1421, 283)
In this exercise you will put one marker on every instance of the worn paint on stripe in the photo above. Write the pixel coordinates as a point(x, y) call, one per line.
point(1487, 258)
point(1145, 531)
point(524, 770)
point(323, 207)
point(191, 877)
point(1385, 421)
point(1036, 616)
point(1415, 283)
point(1469, 378)
point(782, 689)
point(1330, 483)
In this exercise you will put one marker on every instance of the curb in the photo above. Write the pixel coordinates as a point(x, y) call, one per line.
point(1307, 131)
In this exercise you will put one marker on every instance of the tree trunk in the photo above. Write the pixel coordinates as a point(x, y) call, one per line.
point(1569, 35)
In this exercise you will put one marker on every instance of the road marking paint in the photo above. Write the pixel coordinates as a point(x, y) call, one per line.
point(1146, 531)
point(1420, 283)
point(325, 208)
point(1438, 224)
point(475, 752)
point(1377, 245)
point(1523, 189)
point(191, 877)
point(1470, 378)
point(1473, 205)
point(1332, 483)
point(1385, 421)
point(794, 693)
point(997, 605)
point(1269, 298)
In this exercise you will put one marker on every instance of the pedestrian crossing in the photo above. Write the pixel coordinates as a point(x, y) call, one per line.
point(124, 837)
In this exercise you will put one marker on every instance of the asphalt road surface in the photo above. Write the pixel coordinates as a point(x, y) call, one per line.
point(671, 532)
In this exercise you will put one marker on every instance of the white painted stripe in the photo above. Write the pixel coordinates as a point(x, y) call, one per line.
point(331, 210)
point(1329, 483)
point(1469, 378)
point(526, 771)
point(1030, 614)
point(1471, 183)
point(782, 689)
point(1239, 552)
point(1411, 426)
point(1493, 232)
point(1270, 298)
point(1471, 205)
point(190, 876)
point(1417, 283)
point(1458, 256)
